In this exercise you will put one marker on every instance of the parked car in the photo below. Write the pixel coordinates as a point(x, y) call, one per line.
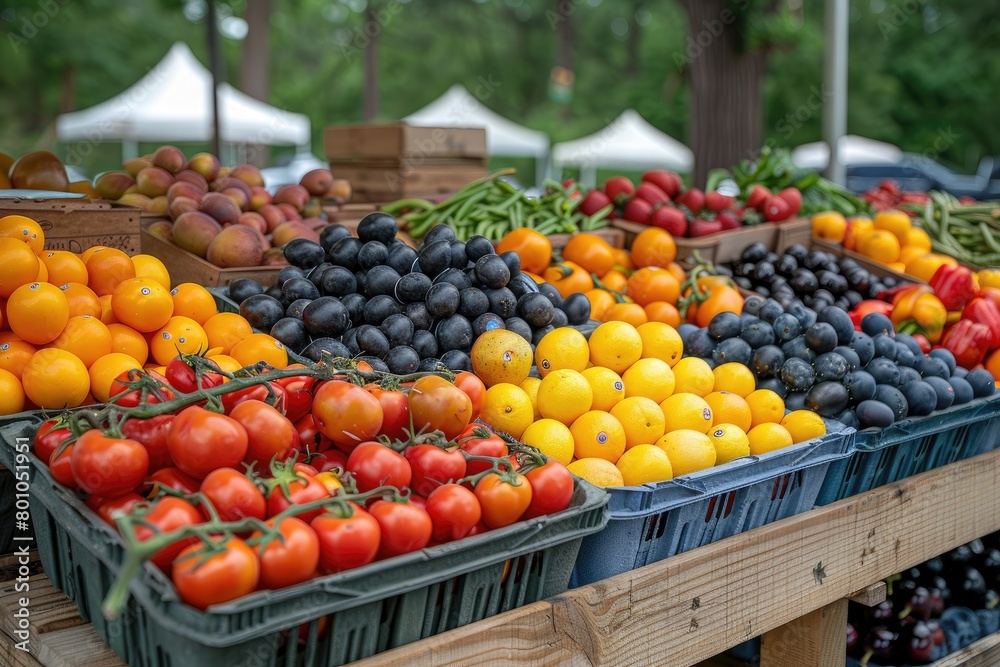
point(916, 173)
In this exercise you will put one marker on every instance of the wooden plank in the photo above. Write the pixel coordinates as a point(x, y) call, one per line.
point(11, 656)
point(983, 653)
point(77, 224)
point(698, 604)
point(814, 640)
point(393, 140)
point(870, 596)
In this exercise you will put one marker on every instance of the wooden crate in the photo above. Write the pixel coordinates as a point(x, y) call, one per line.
point(186, 267)
point(391, 181)
point(367, 142)
point(78, 224)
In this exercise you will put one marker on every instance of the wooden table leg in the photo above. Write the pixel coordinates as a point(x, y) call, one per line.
point(817, 639)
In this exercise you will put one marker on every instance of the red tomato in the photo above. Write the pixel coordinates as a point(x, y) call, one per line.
point(61, 467)
point(298, 396)
point(291, 559)
point(477, 440)
point(223, 576)
point(201, 441)
point(372, 464)
point(107, 466)
point(551, 489)
point(171, 478)
point(346, 413)
point(479, 529)
point(169, 513)
point(395, 412)
point(271, 436)
point(331, 459)
point(305, 469)
point(271, 393)
point(433, 466)
point(474, 389)
point(302, 489)
point(504, 498)
point(405, 527)
point(50, 435)
point(454, 511)
point(182, 377)
point(109, 509)
point(437, 404)
point(347, 541)
point(309, 435)
point(152, 434)
point(234, 496)
point(121, 394)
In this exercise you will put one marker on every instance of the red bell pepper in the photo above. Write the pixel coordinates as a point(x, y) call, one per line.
point(869, 306)
point(925, 345)
point(953, 285)
point(969, 341)
point(984, 311)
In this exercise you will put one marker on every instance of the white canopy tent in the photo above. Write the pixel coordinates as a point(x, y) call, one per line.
point(629, 142)
point(853, 150)
point(173, 102)
point(459, 108)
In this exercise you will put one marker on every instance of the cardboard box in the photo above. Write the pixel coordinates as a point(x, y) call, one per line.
point(394, 141)
point(78, 224)
point(186, 267)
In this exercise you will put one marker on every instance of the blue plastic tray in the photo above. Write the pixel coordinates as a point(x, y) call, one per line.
point(912, 446)
point(655, 521)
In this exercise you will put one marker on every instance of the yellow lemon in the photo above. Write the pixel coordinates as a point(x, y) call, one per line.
point(507, 408)
point(615, 345)
point(730, 443)
point(597, 434)
point(728, 408)
point(644, 464)
point(530, 387)
point(651, 378)
point(688, 451)
point(734, 378)
point(607, 386)
point(765, 407)
point(693, 376)
point(768, 437)
point(661, 341)
point(552, 438)
point(686, 411)
point(597, 471)
point(560, 348)
point(499, 356)
point(642, 420)
point(564, 395)
point(803, 425)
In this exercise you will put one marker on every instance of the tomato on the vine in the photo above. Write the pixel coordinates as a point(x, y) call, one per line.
point(372, 464)
point(291, 559)
point(184, 378)
point(108, 466)
point(504, 498)
point(477, 440)
point(200, 441)
point(233, 495)
point(331, 481)
point(298, 396)
point(168, 514)
point(433, 466)
point(270, 435)
point(331, 459)
point(474, 389)
point(123, 395)
point(152, 434)
point(454, 511)
point(349, 537)
point(305, 469)
point(171, 478)
point(309, 435)
point(60, 466)
point(395, 412)
point(271, 393)
point(50, 435)
point(551, 489)
point(230, 572)
point(294, 488)
point(405, 526)
point(347, 413)
point(437, 404)
point(109, 509)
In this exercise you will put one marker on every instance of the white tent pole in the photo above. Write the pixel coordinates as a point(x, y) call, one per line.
point(130, 149)
point(835, 85)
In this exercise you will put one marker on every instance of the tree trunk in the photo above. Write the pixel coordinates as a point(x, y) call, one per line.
point(726, 99)
point(254, 70)
point(632, 43)
point(371, 68)
point(66, 89)
point(565, 36)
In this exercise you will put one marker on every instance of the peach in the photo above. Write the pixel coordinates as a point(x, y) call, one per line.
point(169, 158)
point(255, 220)
point(239, 197)
point(287, 231)
point(194, 232)
point(295, 195)
point(235, 246)
point(317, 182)
point(154, 181)
point(220, 207)
point(259, 197)
point(205, 164)
point(274, 257)
point(272, 215)
point(312, 209)
point(192, 177)
point(247, 173)
point(132, 190)
point(136, 164)
point(314, 223)
point(291, 213)
point(184, 189)
point(159, 205)
point(113, 184)
point(180, 205)
point(163, 229)
point(341, 188)
point(137, 200)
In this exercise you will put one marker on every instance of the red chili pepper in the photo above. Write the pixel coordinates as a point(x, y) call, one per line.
point(869, 306)
point(969, 341)
point(984, 311)
point(953, 285)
